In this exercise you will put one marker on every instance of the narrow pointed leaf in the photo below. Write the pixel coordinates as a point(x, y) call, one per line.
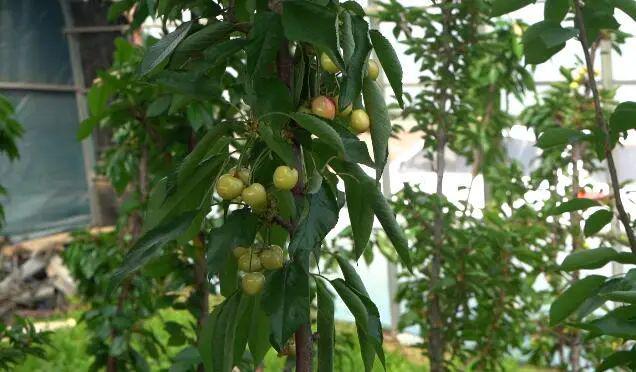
point(390, 63)
point(160, 51)
point(573, 297)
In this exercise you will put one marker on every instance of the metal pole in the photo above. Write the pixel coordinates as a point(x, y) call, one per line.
point(88, 150)
point(392, 272)
point(391, 267)
point(607, 82)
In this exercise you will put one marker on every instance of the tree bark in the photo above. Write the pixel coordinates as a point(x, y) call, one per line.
point(303, 336)
point(135, 222)
point(435, 320)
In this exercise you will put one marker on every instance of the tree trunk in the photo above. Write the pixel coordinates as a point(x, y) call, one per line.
point(135, 222)
point(303, 336)
point(435, 321)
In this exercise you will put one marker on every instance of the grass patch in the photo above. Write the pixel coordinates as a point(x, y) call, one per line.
point(67, 352)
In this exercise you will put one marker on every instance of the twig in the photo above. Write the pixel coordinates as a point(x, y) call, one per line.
point(602, 124)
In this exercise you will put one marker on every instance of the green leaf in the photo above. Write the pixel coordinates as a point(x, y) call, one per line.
point(199, 115)
point(381, 208)
point(258, 340)
point(346, 37)
point(87, 126)
point(220, 52)
point(158, 106)
point(356, 151)
point(554, 35)
point(621, 296)
point(588, 259)
point(150, 243)
point(357, 66)
point(380, 124)
point(239, 229)
point(225, 329)
point(598, 16)
point(265, 39)
point(390, 63)
point(186, 359)
point(326, 327)
point(117, 8)
point(160, 51)
point(367, 322)
point(322, 130)
point(286, 300)
point(285, 203)
point(627, 6)
point(320, 218)
point(558, 137)
point(392, 229)
point(374, 333)
point(118, 346)
point(188, 83)
point(98, 96)
point(278, 145)
point(573, 297)
point(556, 10)
point(244, 327)
point(271, 95)
point(228, 273)
point(166, 202)
point(360, 212)
point(314, 24)
point(188, 167)
point(501, 7)
point(623, 118)
point(202, 39)
point(351, 276)
point(597, 221)
point(206, 335)
point(544, 39)
point(619, 358)
point(617, 323)
point(573, 205)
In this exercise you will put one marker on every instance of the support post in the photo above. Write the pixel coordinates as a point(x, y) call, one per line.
point(88, 150)
point(394, 306)
point(607, 83)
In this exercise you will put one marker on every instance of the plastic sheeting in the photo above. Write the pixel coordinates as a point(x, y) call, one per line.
point(47, 190)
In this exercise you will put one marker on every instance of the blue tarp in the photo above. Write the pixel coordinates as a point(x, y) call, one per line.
point(47, 189)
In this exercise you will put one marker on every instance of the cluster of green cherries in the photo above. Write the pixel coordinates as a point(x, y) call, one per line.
point(325, 107)
point(252, 261)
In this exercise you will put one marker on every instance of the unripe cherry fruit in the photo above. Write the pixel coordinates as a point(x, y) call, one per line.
point(229, 187)
point(240, 251)
point(324, 107)
point(243, 174)
point(347, 109)
point(272, 258)
point(373, 70)
point(250, 262)
point(285, 178)
point(360, 121)
point(255, 196)
point(328, 65)
point(252, 283)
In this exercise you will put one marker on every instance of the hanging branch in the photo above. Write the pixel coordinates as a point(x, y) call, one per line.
point(602, 125)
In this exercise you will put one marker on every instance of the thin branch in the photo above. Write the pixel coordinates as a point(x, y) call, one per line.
point(602, 124)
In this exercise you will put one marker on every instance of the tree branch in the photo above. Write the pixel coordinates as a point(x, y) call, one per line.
point(602, 124)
